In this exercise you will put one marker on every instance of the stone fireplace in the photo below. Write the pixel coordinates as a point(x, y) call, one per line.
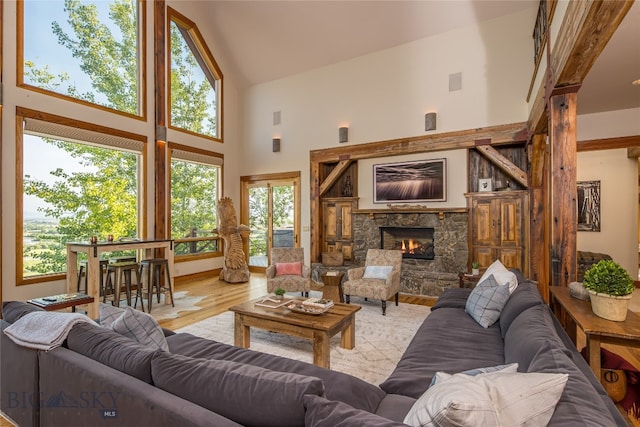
point(421, 275)
point(414, 242)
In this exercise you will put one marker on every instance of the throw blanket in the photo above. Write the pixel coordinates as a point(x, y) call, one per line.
point(631, 401)
point(43, 330)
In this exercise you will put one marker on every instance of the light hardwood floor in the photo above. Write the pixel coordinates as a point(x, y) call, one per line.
point(219, 296)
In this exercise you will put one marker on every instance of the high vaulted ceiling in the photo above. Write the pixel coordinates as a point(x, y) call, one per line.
point(268, 40)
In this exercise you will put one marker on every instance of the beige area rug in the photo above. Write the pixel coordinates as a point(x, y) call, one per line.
point(380, 340)
point(159, 310)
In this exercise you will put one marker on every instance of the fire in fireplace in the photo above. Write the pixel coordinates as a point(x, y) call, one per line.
point(415, 242)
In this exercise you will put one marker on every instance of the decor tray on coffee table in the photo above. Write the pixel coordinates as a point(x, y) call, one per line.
point(300, 307)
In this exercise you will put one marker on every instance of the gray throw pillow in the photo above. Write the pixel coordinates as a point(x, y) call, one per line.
point(109, 313)
point(486, 301)
point(511, 367)
point(141, 327)
point(246, 394)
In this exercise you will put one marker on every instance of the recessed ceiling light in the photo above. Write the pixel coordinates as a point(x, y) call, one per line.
point(636, 82)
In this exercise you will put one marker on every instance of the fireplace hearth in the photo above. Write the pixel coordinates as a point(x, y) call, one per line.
point(415, 242)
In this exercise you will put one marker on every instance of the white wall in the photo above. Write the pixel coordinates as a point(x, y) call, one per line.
point(618, 176)
point(385, 95)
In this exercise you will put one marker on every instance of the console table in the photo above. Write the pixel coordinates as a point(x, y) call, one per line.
point(59, 302)
point(596, 329)
point(93, 251)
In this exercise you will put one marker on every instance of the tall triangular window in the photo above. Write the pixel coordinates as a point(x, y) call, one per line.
point(195, 83)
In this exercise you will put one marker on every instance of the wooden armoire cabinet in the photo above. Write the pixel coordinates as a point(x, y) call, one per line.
point(499, 228)
point(338, 228)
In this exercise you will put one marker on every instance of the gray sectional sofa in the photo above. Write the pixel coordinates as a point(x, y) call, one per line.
point(101, 378)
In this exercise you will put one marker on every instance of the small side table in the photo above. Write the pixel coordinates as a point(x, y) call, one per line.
point(468, 281)
point(332, 286)
point(58, 302)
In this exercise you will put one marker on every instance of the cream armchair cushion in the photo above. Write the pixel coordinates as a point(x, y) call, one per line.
point(288, 282)
point(359, 284)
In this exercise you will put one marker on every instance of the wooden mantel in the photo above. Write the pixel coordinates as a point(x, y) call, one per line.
point(410, 210)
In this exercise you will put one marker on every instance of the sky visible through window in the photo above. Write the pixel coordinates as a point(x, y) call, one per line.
point(42, 47)
point(39, 159)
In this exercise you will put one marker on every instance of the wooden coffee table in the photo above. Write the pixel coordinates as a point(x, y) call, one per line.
point(596, 329)
point(317, 328)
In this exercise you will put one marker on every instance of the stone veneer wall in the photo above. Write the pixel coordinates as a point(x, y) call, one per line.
point(418, 276)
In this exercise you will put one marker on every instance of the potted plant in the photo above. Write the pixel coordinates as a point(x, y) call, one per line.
point(610, 288)
point(475, 268)
point(279, 293)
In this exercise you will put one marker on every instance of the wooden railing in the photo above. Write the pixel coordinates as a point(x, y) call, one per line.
point(540, 31)
point(197, 242)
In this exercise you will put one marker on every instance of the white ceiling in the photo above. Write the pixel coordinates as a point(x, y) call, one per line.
point(267, 40)
point(608, 86)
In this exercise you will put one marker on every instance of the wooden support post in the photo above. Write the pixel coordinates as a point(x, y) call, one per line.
point(160, 148)
point(315, 217)
point(539, 216)
point(564, 224)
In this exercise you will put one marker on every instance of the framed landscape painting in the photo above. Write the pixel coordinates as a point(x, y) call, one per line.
point(416, 181)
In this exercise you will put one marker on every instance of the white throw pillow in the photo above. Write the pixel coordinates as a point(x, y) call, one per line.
point(141, 327)
point(377, 272)
point(502, 275)
point(492, 399)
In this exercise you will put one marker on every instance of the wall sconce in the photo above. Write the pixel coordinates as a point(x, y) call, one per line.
point(343, 134)
point(430, 121)
point(276, 145)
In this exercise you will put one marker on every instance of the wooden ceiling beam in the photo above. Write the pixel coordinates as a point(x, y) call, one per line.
point(336, 173)
point(499, 135)
point(609, 143)
point(585, 31)
point(594, 22)
point(503, 163)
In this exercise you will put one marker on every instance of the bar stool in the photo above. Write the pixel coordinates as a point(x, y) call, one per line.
point(154, 276)
point(120, 270)
point(83, 269)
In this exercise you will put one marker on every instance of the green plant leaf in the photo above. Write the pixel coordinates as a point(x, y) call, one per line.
point(608, 277)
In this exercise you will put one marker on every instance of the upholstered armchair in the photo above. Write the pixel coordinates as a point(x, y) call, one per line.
point(378, 279)
point(288, 271)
